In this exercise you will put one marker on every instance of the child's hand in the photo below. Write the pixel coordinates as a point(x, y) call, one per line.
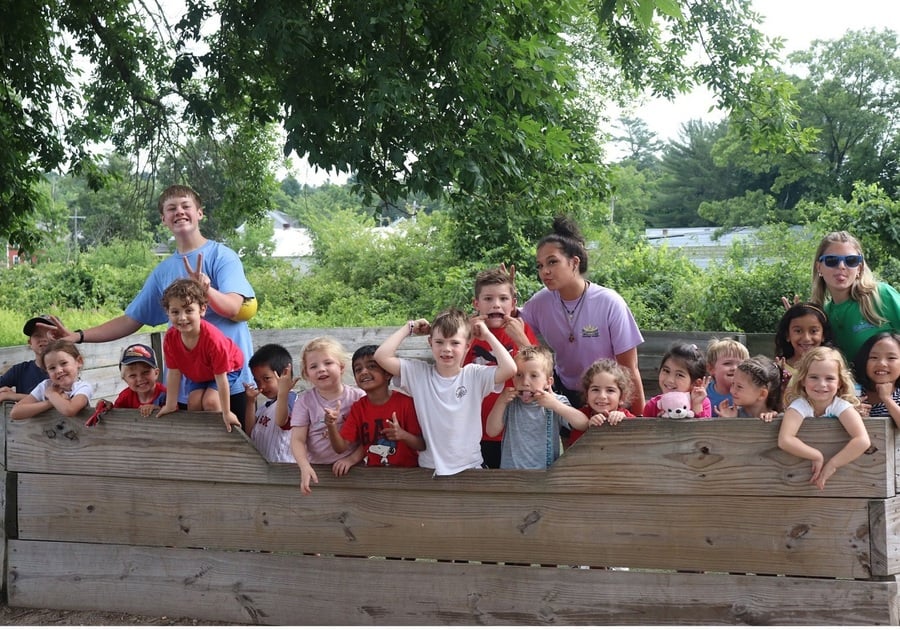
point(230, 420)
point(545, 399)
point(307, 476)
point(286, 380)
point(393, 430)
point(480, 330)
point(251, 392)
point(615, 416)
point(332, 415)
point(167, 409)
point(341, 467)
point(597, 419)
point(817, 464)
point(768, 416)
point(515, 328)
point(698, 392)
point(147, 409)
point(420, 327)
point(727, 409)
point(507, 395)
point(824, 474)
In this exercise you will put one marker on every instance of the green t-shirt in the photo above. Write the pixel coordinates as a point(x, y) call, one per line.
point(851, 329)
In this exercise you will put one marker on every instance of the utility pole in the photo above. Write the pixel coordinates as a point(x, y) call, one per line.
point(75, 217)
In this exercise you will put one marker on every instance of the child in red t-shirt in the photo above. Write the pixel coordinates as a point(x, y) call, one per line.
point(211, 362)
point(140, 372)
point(383, 422)
point(495, 299)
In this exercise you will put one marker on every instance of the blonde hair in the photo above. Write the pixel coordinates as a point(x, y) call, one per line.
point(865, 288)
point(728, 347)
point(330, 346)
point(846, 390)
point(537, 353)
point(621, 376)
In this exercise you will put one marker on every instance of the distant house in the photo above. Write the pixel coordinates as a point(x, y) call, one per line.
point(697, 243)
point(292, 242)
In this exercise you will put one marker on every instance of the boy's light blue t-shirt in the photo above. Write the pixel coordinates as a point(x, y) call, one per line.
point(226, 273)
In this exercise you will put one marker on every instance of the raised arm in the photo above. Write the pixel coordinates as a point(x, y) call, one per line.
point(495, 420)
point(506, 365)
point(386, 355)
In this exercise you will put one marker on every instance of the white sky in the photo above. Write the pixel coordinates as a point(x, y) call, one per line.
point(798, 22)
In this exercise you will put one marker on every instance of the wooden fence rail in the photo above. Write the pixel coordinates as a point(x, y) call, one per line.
point(175, 516)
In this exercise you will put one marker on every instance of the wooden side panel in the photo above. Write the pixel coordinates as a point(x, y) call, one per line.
point(884, 526)
point(645, 456)
point(795, 536)
point(282, 589)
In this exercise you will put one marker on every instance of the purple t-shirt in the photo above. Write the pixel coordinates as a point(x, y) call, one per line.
point(601, 327)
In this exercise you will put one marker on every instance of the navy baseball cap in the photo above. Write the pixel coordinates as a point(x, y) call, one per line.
point(31, 324)
point(138, 353)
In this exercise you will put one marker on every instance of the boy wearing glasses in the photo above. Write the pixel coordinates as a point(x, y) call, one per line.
point(857, 305)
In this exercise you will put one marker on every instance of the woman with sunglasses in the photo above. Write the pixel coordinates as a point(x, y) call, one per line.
point(857, 305)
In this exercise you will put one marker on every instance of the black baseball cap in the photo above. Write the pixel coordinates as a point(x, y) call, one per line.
point(138, 353)
point(31, 324)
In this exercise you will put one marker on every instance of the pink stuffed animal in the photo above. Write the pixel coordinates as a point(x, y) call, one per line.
point(675, 405)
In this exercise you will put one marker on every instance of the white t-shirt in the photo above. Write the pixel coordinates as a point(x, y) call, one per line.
point(449, 411)
point(78, 387)
point(273, 442)
point(834, 410)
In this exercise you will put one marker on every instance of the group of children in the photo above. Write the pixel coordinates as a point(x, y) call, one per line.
point(487, 398)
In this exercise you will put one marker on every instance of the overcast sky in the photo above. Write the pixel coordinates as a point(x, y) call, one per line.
point(798, 22)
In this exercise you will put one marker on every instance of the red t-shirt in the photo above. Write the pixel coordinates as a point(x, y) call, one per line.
point(214, 354)
point(365, 421)
point(576, 433)
point(481, 353)
point(128, 399)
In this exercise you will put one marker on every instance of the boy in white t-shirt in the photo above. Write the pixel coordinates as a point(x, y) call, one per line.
point(448, 395)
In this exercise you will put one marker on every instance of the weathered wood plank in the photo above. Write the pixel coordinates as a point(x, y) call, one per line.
point(797, 536)
point(715, 457)
point(281, 589)
point(884, 527)
point(4, 506)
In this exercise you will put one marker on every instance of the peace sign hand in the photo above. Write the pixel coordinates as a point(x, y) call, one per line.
point(197, 274)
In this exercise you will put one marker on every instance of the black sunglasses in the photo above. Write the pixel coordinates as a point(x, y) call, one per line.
point(852, 261)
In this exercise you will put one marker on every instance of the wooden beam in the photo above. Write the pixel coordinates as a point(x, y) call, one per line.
point(794, 536)
point(286, 589)
point(734, 457)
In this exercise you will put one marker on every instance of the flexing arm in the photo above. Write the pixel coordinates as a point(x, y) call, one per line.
point(506, 366)
point(629, 361)
point(286, 382)
point(386, 355)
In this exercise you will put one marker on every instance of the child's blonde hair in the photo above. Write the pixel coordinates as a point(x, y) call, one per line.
point(537, 353)
point(865, 287)
point(330, 346)
point(621, 376)
point(728, 347)
point(846, 388)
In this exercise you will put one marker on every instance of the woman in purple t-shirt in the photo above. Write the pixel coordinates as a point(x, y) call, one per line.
point(580, 321)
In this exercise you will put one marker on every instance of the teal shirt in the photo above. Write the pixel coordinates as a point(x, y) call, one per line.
point(851, 329)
